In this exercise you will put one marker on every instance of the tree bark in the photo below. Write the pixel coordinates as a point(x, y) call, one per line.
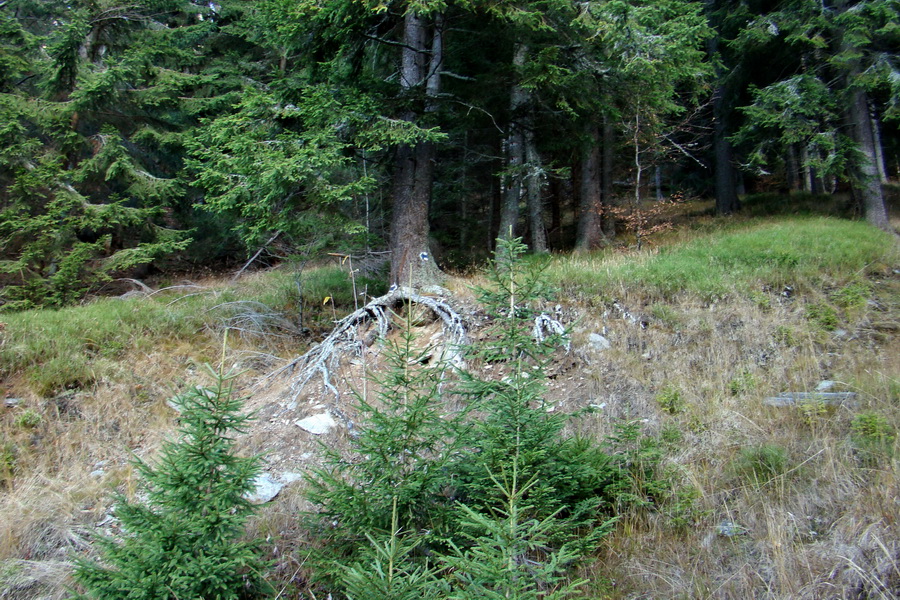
point(791, 168)
point(535, 202)
point(515, 152)
point(589, 234)
point(879, 148)
point(866, 178)
point(727, 201)
point(411, 260)
point(606, 177)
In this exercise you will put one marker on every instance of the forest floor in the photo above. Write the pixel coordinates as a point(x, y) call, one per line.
point(691, 338)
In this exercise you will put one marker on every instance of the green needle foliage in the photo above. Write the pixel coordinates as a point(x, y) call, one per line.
point(183, 541)
point(387, 569)
point(404, 447)
point(511, 555)
point(517, 431)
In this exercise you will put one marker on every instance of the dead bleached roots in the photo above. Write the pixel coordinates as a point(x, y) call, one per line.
point(361, 328)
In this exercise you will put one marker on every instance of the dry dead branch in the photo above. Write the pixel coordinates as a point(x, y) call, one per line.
point(345, 338)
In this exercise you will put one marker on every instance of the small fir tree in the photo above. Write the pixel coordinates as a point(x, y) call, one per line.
point(397, 480)
point(388, 569)
point(510, 554)
point(183, 540)
point(505, 501)
point(568, 476)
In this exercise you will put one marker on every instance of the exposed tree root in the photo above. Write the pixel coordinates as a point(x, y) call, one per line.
point(346, 337)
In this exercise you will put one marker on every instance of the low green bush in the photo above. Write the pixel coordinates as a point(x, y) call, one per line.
point(28, 419)
point(760, 464)
point(873, 437)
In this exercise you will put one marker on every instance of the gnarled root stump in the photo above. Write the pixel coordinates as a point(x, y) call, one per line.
point(345, 338)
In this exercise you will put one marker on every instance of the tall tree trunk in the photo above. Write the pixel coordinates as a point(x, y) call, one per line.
point(411, 260)
point(589, 233)
point(606, 178)
point(535, 203)
point(515, 152)
point(879, 148)
point(657, 183)
point(806, 172)
point(791, 168)
point(727, 200)
point(867, 181)
point(557, 197)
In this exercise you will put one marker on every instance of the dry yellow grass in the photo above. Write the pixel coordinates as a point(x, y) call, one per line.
point(819, 522)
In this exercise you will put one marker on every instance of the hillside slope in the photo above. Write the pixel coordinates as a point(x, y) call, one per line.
point(770, 499)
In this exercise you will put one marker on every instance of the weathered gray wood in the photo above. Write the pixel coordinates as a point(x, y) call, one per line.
point(830, 398)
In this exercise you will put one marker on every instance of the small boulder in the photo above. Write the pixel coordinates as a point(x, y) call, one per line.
point(598, 342)
point(317, 424)
point(265, 489)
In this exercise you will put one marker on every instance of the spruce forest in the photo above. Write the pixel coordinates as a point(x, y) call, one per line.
point(427, 299)
point(146, 132)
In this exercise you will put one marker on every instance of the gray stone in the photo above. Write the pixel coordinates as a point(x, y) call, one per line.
point(12, 402)
point(825, 385)
point(98, 473)
point(598, 342)
point(317, 424)
point(729, 529)
point(265, 489)
point(290, 477)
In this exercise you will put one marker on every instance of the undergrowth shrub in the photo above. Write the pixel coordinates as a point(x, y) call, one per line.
point(760, 464)
point(742, 383)
point(823, 316)
point(641, 483)
point(853, 296)
point(670, 400)
point(873, 437)
point(184, 539)
point(7, 463)
point(28, 419)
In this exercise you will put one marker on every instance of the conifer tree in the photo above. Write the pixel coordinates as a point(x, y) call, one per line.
point(394, 486)
point(517, 431)
point(510, 554)
point(183, 540)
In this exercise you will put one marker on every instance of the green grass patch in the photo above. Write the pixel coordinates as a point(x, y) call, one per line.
point(797, 251)
point(66, 348)
point(760, 464)
point(74, 347)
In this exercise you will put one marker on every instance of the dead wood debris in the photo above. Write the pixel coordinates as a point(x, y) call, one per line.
point(345, 338)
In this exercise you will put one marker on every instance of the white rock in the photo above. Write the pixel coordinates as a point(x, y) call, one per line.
point(266, 489)
point(598, 342)
point(317, 424)
point(290, 477)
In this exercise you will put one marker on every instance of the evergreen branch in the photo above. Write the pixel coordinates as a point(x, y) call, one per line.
point(397, 44)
